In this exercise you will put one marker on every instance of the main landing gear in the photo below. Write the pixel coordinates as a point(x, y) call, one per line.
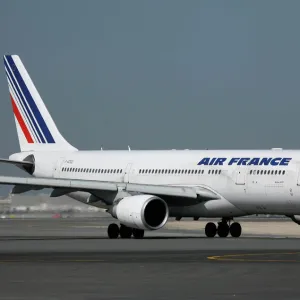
point(223, 229)
point(114, 231)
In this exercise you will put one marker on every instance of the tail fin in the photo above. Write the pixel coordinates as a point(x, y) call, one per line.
point(36, 129)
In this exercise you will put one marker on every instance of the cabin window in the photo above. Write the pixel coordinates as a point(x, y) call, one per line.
point(283, 172)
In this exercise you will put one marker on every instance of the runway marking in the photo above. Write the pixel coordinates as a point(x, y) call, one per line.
point(240, 257)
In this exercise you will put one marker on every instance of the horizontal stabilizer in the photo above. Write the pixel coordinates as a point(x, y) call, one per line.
point(16, 162)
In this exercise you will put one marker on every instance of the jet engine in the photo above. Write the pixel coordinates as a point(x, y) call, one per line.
point(146, 212)
point(295, 218)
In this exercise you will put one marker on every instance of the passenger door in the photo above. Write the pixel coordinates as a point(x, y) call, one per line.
point(127, 173)
point(240, 178)
point(57, 167)
point(298, 175)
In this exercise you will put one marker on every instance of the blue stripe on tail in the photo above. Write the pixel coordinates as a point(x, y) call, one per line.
point(30, 100)
point(24, 104)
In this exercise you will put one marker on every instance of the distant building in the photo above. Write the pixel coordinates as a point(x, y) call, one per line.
point(5, 204)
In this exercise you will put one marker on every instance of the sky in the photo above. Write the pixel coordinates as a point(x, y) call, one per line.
point(159, 74)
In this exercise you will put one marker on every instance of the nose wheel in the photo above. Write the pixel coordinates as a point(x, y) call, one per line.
point(223, 229)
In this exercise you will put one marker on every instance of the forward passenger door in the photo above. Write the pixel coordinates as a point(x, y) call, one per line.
point(127, 173)
point(240, 178)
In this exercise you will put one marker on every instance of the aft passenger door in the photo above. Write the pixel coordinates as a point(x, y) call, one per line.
point(57, 167)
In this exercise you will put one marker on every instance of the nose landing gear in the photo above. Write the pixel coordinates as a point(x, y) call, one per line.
point(223, 229)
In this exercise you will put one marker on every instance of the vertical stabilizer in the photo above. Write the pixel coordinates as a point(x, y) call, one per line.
point(35, 126)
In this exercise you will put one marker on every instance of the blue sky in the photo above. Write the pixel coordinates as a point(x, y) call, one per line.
point(158, 74)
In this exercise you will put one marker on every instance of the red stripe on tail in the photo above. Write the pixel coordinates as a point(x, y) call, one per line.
point(21, 121)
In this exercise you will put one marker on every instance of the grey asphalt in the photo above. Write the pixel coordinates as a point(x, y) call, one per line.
point(73, 259)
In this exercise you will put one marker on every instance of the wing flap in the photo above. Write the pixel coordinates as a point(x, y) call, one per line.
point(175, 191)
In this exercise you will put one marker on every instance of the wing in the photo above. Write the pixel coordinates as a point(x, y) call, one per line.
point(64, 186)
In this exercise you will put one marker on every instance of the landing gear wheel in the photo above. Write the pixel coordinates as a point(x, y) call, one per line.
point(223, 229)
point(113, 231)
point(210, 229)
point(125, 232)
point(235, 230)
point(138, 233)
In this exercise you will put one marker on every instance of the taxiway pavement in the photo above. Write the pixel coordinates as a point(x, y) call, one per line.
point(73, 259)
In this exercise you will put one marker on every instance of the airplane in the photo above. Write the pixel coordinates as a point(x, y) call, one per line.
point(143, 189)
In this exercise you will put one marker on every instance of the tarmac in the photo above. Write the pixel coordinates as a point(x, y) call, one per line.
point(73, 259)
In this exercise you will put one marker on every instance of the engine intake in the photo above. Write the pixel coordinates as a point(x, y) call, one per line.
point(145, 212)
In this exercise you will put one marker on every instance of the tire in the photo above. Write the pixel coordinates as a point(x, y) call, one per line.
point(113, 231)
point(125, 232)
point(235, 230)
point(210, 230)
point(223, 230)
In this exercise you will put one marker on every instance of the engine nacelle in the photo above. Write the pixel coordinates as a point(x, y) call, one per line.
point(295, 218)
point(144, 212)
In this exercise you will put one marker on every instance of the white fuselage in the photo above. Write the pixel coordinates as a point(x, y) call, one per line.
point(269, 186)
